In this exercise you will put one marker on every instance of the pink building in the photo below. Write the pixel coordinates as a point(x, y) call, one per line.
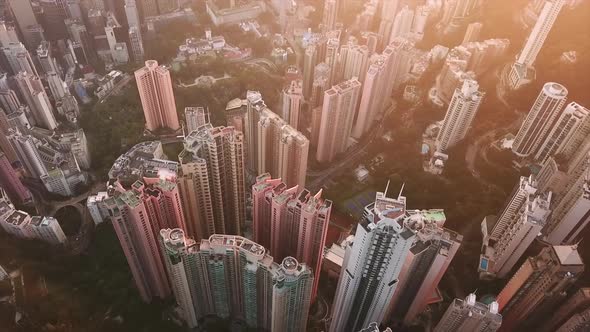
point(10, 181)
point(293, 225)
point(138, 214)
point(157, 98)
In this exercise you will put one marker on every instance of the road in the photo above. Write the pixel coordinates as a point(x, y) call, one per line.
point(352, 155)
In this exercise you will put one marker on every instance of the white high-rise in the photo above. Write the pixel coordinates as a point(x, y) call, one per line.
point(337, 119)
point(292, 103)
point(373, 95)
point(571, 128)
point(460, 115)
point(540, 120)
point(372, 264)
point(521, 221)
point(402, 25)
point(521, 72)
point(571, 214)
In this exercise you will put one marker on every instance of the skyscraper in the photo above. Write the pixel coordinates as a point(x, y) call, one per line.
point(138, 214)
point(26, 150)
point(372, 97)
point(538, 286)
point(469, 315)
point(460, 114)
point(431, 254)
point(338, 112)
point(10, 181)
point(5, 145)
point(354, 60)
point(292, 103)
point(571, 211)
point(19, 59)
point(134, 24)
point(540, 120)
point(157, 98)
point(515, 229)
point(234, 278)
point(330, 14)
point(472, 33)
point(32, 90)
point(570, 129)
point(520, 71)
point(372, 264)
point(292, 224)
point(402, 25)
point(273, 145)
point(211, 182)
point(310, 60)
point(7, 34)
point(24, 17)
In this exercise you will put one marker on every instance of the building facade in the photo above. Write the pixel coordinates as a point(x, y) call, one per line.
point(157, 98)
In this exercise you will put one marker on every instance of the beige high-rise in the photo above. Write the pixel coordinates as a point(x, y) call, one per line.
point(337, 116)
point(157, 98)
point(212, 181)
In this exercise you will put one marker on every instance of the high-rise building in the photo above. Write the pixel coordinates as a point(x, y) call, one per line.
point(354, 61)
point(10, 181)
point(402, 25)
point(472, 33)
point(26, 150)
point(520, 72)
point(32, 90)
point(5, 145)
point(157, 98)
point(234, 278)
point(24, 17)
point(577, 323)
point(292, 103)
point(136, 41)
point(539, 286)
point(568, 132)
point(291, 224)
point(46, 59)
point(576, 306)
point(82, 45)
point(19, 59)
point(460, 114)
point(330, 14)
point(401, 54)
point(338, 110)
point(469, 315)
point(195, 117)
point(372, 97)
point(211, 182)
point(310, 60)
point(7, 34)
point(571, 213)
point(431, 254)
point(520, 222)
point(271, 144)
point(540, 120)
point(138, 214)
point(372, 264)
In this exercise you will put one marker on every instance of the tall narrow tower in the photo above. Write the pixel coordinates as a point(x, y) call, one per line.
point(157, 98)
point(540, 120)
point(460, 115)
point(371, 266)
point(337, 119)
point(212, 181)
point(292, 103)
point(522, 70)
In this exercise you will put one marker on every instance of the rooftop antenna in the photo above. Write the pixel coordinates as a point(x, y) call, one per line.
point(401, 191)
point(386, 188)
